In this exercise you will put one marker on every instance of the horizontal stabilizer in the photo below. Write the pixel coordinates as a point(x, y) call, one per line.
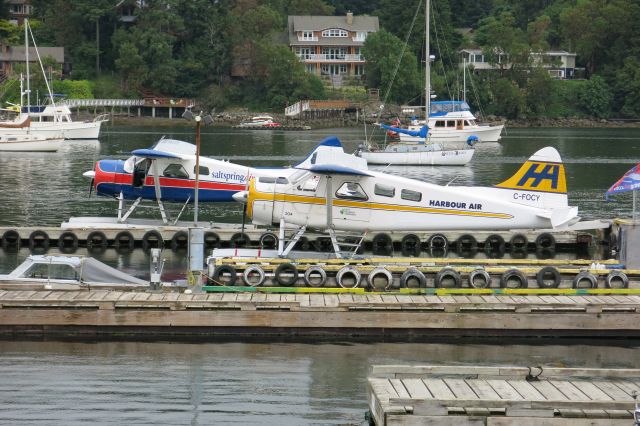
point(560, 217)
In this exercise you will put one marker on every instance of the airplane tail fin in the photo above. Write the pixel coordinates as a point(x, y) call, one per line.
point(541, 182)
point(330, 151)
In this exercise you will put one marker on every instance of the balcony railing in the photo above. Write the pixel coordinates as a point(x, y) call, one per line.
point(330, 58)
point(300, 38)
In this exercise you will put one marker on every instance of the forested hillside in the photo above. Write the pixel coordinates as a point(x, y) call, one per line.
point(186, 49)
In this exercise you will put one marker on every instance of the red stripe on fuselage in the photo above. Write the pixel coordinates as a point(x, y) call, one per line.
point(125, 179)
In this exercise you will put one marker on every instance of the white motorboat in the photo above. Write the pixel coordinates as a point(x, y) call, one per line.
point(423, 150)
point(27, 142)
point(260, 121)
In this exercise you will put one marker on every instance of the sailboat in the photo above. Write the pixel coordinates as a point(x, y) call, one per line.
point(422, 150)
point(51, 120)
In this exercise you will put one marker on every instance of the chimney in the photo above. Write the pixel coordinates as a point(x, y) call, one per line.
point(349, 18)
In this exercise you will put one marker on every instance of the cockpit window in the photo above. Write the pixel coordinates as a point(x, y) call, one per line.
point(407, 194)
point(204, 171)
point(351, 190)
point(272, 179)
point(311, 184)
point(175, 171)
point(298, 176)
point(384, 190)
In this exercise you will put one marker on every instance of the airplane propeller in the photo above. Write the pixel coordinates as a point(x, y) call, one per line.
point(92, 175)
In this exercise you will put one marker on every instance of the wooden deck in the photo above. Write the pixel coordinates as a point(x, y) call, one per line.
point(318, 315)
point(457, 395)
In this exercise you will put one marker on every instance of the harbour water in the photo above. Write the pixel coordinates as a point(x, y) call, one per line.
point(260, 382)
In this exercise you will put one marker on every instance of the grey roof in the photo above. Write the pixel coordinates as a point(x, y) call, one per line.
point(17, 54)
point(319, 23)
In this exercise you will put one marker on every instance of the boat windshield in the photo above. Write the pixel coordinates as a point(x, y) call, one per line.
point(449, 106)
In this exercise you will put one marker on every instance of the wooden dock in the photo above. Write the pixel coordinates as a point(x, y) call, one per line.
point(458, 395)
point(328, 316)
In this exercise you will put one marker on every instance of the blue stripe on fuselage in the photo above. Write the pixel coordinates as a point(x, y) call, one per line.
point(168, 193)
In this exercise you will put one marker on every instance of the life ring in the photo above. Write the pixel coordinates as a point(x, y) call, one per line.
point(447, 278)
point(494, 246)
point(438, 241)
point(548, 273)
point(211, 240)
point(152, 239)
point(239, 239)
point(413, 275)
point(225, 272)
point(323, 244)
point(518, 242)
point(616, 279)
point(68, 242)
point(380, 273)
point(315, 276)
point(286, 274)
point(585, 277)
point(124, 241)
point(253, 276)
point(39, 240)
point(11, 239)
point(303, 244)
point(382, 245)
point(479, 278)
point(513, 276)
point(545, 241)
point(180, 241)
point(268, 240)
point(97, 240)
point(348, 277)
point(410, 245)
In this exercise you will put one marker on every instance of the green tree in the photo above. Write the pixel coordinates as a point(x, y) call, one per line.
point(388, 71)
point(503, 42)
point(538, 91)
point(595, 97)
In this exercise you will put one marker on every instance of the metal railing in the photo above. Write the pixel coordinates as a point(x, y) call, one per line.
point(312, 57)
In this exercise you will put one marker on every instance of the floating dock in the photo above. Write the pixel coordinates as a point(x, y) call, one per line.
point(456, 395)
point(319, 315)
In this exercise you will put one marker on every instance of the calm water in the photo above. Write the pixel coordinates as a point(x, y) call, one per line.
point(258, 383)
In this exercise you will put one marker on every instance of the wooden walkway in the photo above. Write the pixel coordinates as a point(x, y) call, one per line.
point(331, 316)
point(457, 395)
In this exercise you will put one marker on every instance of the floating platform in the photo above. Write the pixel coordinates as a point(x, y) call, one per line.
point(459, 395)
point(272, 127)
point(352, 315)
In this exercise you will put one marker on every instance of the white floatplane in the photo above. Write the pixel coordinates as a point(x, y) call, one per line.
point(333, 191)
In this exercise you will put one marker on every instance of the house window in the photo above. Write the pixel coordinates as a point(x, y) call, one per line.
point(311, 68)
point(352, 191)
point(407, 194)
point(360, 36)
point(307, 35)
point(384, 190)
point(334, 32)
point(334, 53)
point(359, 70)
point(175, 171)
point(304, 52)
point(477, 58)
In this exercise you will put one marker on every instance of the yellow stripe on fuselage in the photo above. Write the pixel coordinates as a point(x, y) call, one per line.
point(255, 195)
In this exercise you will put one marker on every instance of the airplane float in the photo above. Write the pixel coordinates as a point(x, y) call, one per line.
point(173, 162)
point(334, 191)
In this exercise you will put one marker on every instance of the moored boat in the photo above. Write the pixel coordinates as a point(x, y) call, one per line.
point(27, 142)
point(260, 121)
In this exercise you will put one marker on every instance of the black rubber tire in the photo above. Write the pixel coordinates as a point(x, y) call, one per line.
point(351, 270)
point(614, 277)
point(124, 241)
point(437, 241)
point(585, 276)
point(11, 240)
point(411, 245)
point(68, 242)
point(545, 254)
point(382, 245)
point(303, 244)
point(447, 273)
point(97, 241)
point(308, 279)
point(180, 241)
point(39, 240)
point(152, 239)
point(380, 271)
point(494, 246)
point(286, 268)
point(323, 244)
point(239, 240)
point(413, 274)
point(508, 275)
point(518, 242)
point(541, 277)
point(211, 240)
point(253, 269)
point(268, 241)
point(466, 242)
point(230, 270)
point(545, 241)
point(484, 283)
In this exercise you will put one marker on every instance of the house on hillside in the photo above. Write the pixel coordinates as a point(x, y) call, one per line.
point(559, 63)
point(18, 10)
point(12, 55)
point(331, 45)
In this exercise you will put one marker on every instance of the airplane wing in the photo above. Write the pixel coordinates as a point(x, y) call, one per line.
point(152, 153)
point(334, 169)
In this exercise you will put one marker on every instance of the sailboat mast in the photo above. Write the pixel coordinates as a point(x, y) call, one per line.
point(427, 72)
point(26, 56)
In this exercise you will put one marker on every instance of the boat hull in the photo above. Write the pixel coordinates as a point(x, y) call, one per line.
point(483, 133)
point(458, 157)
point(46, 145)
point(68, 130)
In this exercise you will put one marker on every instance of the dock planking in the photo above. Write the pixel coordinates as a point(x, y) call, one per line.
point(469, 395)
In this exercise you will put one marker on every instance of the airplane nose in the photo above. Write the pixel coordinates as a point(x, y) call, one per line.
point(91, 174)
point(240, 197)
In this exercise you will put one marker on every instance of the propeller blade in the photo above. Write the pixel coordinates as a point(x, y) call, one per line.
point(244, 217)
point(91, 187)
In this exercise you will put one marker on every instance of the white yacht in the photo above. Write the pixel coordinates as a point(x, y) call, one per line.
point(28, 142)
